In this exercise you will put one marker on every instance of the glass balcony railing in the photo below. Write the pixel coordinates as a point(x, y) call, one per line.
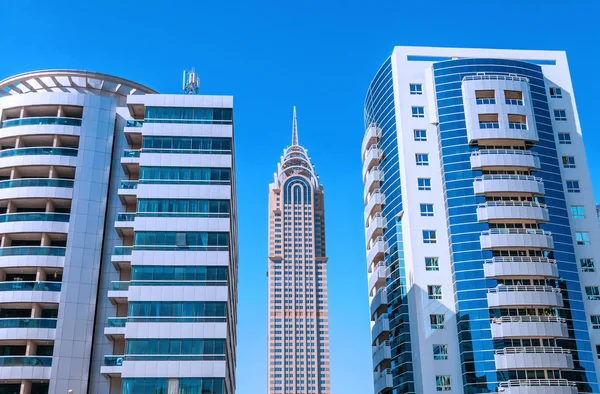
point(125, 217)
point(174, 319)
point(38, 151)
point(131, 153)
point(30, 286)
point(119, 286)
point(35, 217)
point(41, 121)
point(128, 185)
point(25, 361)
point(116, 322)
point(123, 250)
point(135, 123)
point(32, 251)
point(36, 182)
point(113, 361)
point(179, 283)
point(27, 323)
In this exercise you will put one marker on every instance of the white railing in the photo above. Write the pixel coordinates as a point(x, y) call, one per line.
point(374, 149)
point(533, 349)
point(368, 135)
point(380, 346)
point(530, 204)
point(483, 152)
point(508, 177)
point(531, 231)
point(535, 382)
point(495, 77)
point(528, 319)
point(378, 239)
point(516, 259)
point(374, 192)
point(535, 288)
point(383, 373)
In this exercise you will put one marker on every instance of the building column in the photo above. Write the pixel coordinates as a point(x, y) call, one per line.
point(25, 387)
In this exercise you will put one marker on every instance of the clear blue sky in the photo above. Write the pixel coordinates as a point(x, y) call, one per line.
point(319, 56)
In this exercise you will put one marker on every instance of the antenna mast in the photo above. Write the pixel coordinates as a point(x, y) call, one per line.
point(191, 83)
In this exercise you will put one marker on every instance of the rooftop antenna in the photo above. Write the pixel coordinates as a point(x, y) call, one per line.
point(191, 83)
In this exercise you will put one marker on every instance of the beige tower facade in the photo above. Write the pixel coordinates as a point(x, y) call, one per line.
point(298, 312)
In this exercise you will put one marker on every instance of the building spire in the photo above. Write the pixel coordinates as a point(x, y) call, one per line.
point(295, 130)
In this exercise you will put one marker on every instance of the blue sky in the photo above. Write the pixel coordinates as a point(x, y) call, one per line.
point(319, 56)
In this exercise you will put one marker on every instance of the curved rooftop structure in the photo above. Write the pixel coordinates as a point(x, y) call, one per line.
point(295, 160)
point(70, 81)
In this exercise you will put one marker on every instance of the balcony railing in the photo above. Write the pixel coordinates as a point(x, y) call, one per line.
point(534, 288)
point(36, 182)
point(32, 251)
point(522, 152)
point(30, 286)
point(530, 231)
point(535, 383)
point(530, 204)
point(113, 361)
point(25, 361)
point(517, 259)
point(533, 349)
point(41, 121)
point(125, 217)
point(35, 217)
point(508, 178)
point(123, 250)
point(27, 323)
point(119, 286)
point(129, 185)
point(528, 319)
point(131, 153)
point(380, 346)
point(134, 123)
point(495, 78)
point(38, 151)
point(116, 322)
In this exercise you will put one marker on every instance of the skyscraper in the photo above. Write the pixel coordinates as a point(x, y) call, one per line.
point(298, 321)
point(119, 252)
point(481, 225)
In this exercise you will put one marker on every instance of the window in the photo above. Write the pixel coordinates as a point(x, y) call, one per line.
point(513, 97)
point(560, 114)
point(587, 265)
point(564, 138)
point(555, 92)
point(426, 209)
point(582, 237)
point(429, 237)
point(434, 292)
point(424, 183)
point(595, 321)
point(437, 322)
point(442, 383)
point(418, 112)
point(432, 263)
point(577, 211)
point(573, 187)
point(420, 135)
point(598, 350)
point(416, 88)
point(422, 159)
point(592, 293)
point(440, 352)
point(485, 97)
point(518, 122)
point(568, 161)
point(488, 121)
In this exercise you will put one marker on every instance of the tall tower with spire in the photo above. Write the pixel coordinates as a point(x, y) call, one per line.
point(298, 311)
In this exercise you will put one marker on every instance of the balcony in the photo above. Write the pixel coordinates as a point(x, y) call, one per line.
point(520, 266)
point(115, 327)
point(376, 227)
point(537, 386)
point(381, 328)
point(384, 382)
point(377, 278)
point(376, 252)
point(379, 302)
point(529, 326)
point(121, 257)
point(27, 323)
point(25, 361)
point(11, 251)
point(118, 292)
point(372, 135)
point(133, 132)
point(516, 238)
point(371, 159)
point(529, 210)
point(533, 357)
point(508, 183)
point(499, 131)
point(130, 161)
point(375, 202)
point(381, 353)
point(504, 158)
point(50, 120)
point(521, 295)
point(124, 223)
point(128, 191)
point(29, 286)
point(373, 181)
point(112, 366)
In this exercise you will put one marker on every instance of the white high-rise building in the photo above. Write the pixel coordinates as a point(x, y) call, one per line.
point(118, 254)
point(481, 226)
